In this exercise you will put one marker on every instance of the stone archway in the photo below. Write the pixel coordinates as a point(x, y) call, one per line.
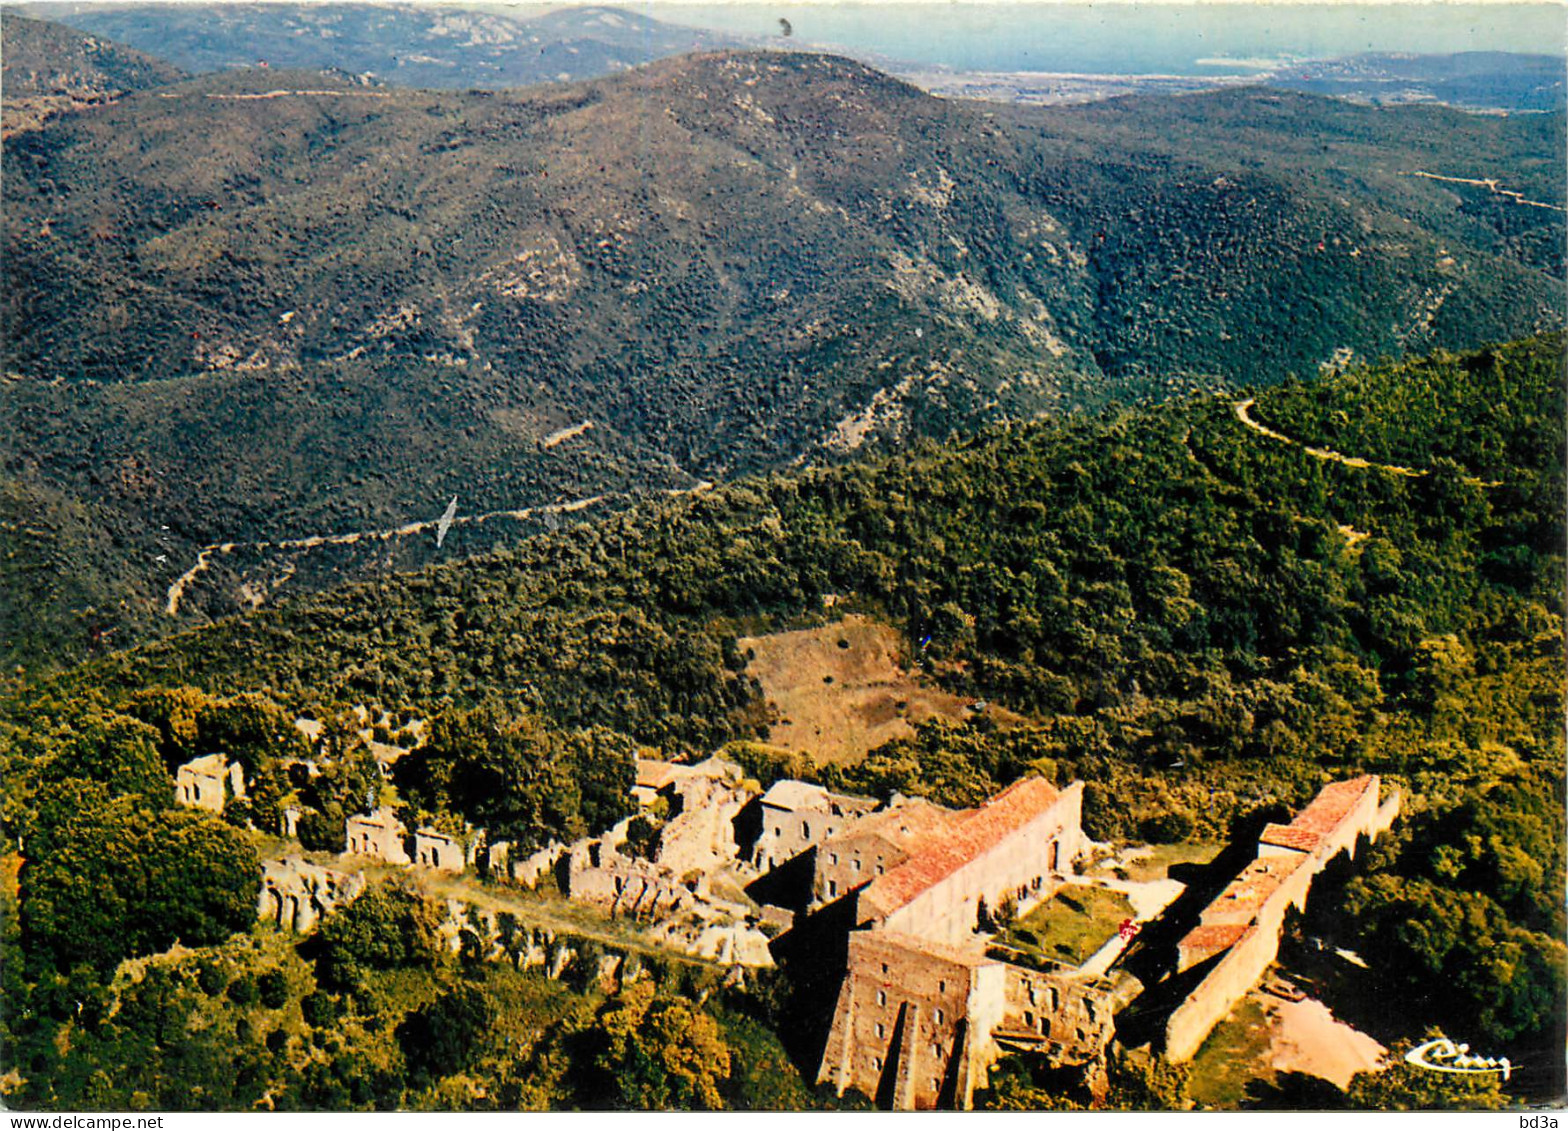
point(272, 906)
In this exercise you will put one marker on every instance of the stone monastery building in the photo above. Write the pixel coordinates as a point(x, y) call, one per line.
point(924, 1010)
point(1237, 935)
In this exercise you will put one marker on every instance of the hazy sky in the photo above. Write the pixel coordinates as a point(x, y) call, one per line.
point(1189, 37)
point(1183, 38)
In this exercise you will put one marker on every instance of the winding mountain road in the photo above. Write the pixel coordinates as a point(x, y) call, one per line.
point(1491, 185)
point(204, 557)
point(1244, 414)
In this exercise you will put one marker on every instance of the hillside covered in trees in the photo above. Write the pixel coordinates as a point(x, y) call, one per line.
point(48, 69)
point(1197, 615)
point(406, 44)
point(355, 302)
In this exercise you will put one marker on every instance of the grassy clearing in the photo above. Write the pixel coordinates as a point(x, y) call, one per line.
point(1236, 1053)
point(1070, 926)
point(1153, 862)
point(841, 689)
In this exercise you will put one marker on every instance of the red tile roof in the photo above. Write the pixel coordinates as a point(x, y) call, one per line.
point(1244, 896)
point(976, 832)
point(1213, 937)
point(1334, 803)
point(1289, 836)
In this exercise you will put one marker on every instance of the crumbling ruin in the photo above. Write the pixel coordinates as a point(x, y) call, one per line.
point(379, 834)
point(208, 782)
point(295, 893)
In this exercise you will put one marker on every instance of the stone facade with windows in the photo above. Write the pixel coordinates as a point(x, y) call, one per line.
point(873, 845)
point(924, 1011)
point(797, 816)
point(208, 782)
point(379, 834)
point(436, 850)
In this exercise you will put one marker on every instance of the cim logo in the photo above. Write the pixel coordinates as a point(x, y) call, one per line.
point(1442, 1055)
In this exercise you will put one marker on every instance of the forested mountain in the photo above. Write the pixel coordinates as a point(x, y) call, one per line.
point(271, 305)
point(1074, 564)
point(1480, 79)
point(410, 45)
point(46, 68)
point(1200, 609)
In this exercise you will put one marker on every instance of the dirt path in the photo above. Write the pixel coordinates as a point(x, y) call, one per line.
point(204, 557)
point(1488, 183)
point(286, 94)
point(1305, 1037)
point(1244, 414)
point(565, 434)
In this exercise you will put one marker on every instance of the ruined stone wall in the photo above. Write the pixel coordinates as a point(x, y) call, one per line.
point(438, 851)
point(909, 1026)
point(295, 893)
point(530, 869)
point(1233, 974)
point(1072, 1015)
point(626, 885)
point(379, 835)
point(207, 782)
point(1255, 904)
point(702, 838)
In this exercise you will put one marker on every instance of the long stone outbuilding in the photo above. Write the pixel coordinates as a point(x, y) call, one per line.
point(1239, 931)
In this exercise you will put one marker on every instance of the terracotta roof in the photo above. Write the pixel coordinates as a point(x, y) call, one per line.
point(975, 833)
point(1247, 893)
point(1289, 836)
point(904, 827)
point(1213, 937)
point(1334, 803)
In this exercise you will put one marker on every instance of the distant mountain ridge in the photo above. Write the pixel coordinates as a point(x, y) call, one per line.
point(1490, 80)
point(46, 68)
point(426, 46)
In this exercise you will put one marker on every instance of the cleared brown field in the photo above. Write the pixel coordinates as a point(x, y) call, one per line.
point(840, 689)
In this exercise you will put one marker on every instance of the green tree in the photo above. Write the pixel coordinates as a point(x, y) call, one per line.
point(121, 880)
point(444, 1037)
point(519, 779)
point(391, 925)
point(116, 750)
point(648, 1052)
